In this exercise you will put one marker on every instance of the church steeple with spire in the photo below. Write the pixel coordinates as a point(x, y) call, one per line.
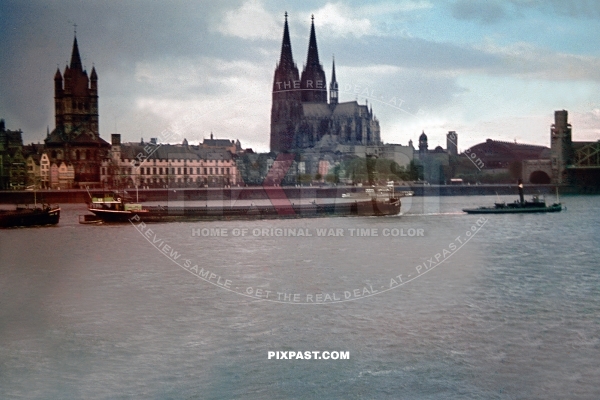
point(76, 139)
point(286, 108)
point(76, 101)
point(75, 58)
point(286, 60)
point(313, 82)
point(333, 87)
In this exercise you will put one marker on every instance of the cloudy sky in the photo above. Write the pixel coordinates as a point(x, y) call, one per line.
point(486, 69)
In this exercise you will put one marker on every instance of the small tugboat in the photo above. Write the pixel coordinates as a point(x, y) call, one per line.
point(25, 216)
point(518, 207)
point(108, 207)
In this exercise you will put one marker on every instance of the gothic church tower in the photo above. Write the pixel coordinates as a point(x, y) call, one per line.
point(286, 108)
point(76, 100)
point(75, 144)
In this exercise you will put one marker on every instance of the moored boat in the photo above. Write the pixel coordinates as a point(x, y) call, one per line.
point(25, 216)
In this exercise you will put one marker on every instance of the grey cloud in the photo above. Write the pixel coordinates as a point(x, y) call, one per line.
point(482, 11)
point(493, 11)
point(447, 59)
point(574, 9)
point(413, 53)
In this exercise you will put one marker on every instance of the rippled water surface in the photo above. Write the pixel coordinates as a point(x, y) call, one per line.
point(502, 308)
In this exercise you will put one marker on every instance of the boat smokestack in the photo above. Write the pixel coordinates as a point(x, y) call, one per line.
point(521, 191)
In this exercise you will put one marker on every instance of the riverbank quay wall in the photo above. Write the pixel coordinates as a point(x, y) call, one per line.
point(263, 193)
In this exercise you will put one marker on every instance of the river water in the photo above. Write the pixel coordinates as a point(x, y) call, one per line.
point(433, 304)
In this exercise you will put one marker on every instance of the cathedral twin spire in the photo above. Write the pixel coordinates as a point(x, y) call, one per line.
point(286, 60)
point(293, 91)
point(313, 83)
point(312, 59)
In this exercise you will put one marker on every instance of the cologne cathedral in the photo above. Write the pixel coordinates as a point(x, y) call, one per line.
point(301, 116)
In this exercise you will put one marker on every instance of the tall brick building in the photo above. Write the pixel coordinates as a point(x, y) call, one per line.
point(75, 141)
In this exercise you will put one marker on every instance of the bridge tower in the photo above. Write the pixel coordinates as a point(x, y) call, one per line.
point(560, 146)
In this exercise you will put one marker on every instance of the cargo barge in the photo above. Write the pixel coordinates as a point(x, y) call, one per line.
point(111, 208)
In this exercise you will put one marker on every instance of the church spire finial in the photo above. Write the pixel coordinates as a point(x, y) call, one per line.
point(75, 57)
point(313, 52)
point(333, 70)
point(333, 86)
point(286, 60)
point(313, 82)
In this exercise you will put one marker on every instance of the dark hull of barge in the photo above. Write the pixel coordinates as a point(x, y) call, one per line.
point(166, 214)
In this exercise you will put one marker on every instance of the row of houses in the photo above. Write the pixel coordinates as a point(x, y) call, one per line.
point(156, 165)
point(25, 166)
point(48, 175)
point(12, 163)
point(127, 165)
point(35, 171)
